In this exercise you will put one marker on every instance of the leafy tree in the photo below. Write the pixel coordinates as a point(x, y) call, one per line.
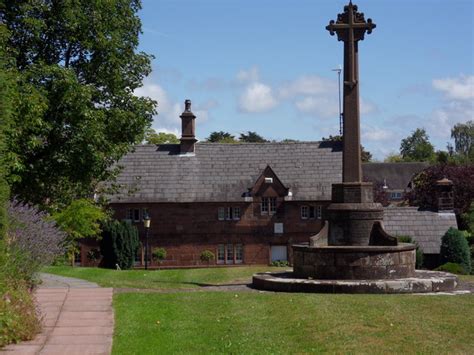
point(152, 137)
point(365, 155)
point(207, 256)
point(424, 191)
point(221, 137)
point(76, 113)
point(119, 244)
point(393, 158)
point(463, 135)
point(252, 137)
point(417, 147)
point(81, 219)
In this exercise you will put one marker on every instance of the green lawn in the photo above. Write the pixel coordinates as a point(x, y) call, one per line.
point(162, 279)
point(282, 323)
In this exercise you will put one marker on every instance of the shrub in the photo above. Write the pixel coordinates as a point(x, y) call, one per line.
point(452, 268)
point(33, 239)
point(119, 244)
point(159, 254)
point(93, 255)
point(281, 263)
point(455, 249)
point(419, 252)
point(207, 256)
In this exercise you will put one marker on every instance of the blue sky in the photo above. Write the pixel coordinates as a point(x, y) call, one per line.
point(265, 66)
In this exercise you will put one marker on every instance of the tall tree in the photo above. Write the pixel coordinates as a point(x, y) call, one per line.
point(417, 147)
point(221, 137)
point(463, 135)
point(152, 137)
point(76, 113)
point(365, 155)
point(252, 137)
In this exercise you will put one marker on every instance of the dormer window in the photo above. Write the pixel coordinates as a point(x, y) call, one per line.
point(311, 212)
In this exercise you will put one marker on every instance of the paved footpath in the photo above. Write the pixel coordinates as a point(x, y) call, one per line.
point(77, 316)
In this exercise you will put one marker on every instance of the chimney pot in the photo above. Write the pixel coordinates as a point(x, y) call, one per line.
point(188, 135)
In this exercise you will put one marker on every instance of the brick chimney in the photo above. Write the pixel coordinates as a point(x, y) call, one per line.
point(188, 129)
point(444, 195)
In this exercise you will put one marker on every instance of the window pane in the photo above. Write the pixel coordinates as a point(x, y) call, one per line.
point(239, 253)
point(236, 212)
point(311, 211)
point(272, 204)
point(136, 215)
point(220, 213)
point(220, 254)
point(228, 213)
point(145, 212)
point(304, 212)
point(264, 205)
point(319, 212)
point(129, 214)
point(230, 254)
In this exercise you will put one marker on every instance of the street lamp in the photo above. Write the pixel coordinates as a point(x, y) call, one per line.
point(146, 224)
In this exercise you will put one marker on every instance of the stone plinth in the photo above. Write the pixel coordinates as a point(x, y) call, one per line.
point(352, 214)
point(354, 262)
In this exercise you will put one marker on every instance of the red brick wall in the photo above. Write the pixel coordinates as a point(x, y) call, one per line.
point(187, 229)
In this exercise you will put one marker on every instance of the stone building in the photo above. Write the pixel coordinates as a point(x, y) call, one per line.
point(247, 203)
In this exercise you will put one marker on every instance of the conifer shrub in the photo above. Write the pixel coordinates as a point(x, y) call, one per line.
point(119, 244)
point(455, 249)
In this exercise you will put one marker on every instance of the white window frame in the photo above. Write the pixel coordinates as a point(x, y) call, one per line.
point(228, 213)
point(229, 252)
point(239, 253)
point(272, 202)
point(264, 206)
point(236, 213)
point(221, 213)
point(221, 252)
point(129, 214)
point(319, 212)
point(304, 212)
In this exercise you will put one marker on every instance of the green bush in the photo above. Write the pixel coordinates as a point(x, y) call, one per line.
point(452, 268)
point(159, 254)
point(207, 256)
point(119, 244)
point(419, 252)
point(280, 263)
point(455, 249)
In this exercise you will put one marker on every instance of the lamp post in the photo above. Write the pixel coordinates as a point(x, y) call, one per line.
point(146, 224)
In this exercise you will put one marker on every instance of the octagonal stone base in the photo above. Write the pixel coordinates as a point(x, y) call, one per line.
point(421, 282)
point(354, 262)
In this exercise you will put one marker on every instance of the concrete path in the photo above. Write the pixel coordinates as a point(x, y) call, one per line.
point(77, 318)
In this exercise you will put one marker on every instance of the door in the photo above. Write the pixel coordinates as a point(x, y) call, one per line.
point(279, 253)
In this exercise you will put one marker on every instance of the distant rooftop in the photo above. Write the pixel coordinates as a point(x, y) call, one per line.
point(396, 175)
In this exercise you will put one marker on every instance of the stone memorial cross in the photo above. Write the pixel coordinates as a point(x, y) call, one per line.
point(350, 28)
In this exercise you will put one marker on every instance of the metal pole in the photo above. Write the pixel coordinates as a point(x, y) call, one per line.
point(146, 249)
point(338, 70)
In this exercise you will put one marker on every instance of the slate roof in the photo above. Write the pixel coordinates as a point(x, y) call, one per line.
point(425, 227)
point(223, 172)
point(397, 175)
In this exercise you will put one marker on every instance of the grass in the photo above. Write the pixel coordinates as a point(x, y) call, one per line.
point(161, 279)
point(269, 323)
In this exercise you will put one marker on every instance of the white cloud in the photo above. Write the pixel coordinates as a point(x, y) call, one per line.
point(371, 133)
point(308, 85)
point(460, 88)
point(367, 107)
point(257, 97)
point(322, 106)
point(250, 75)
point(167, 119)
point(442, 119)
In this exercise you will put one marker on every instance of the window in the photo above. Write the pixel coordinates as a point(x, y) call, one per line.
point(228, 213)
point(220, 254)
point(396, 195)
point(236, 213)
point(230, 254)
point(304, 212)
point(136, 215)
point(145, 212)
point(129, 214)
point(239, 253)
point(221, 213)
point(268, 205)
point(311, 212)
